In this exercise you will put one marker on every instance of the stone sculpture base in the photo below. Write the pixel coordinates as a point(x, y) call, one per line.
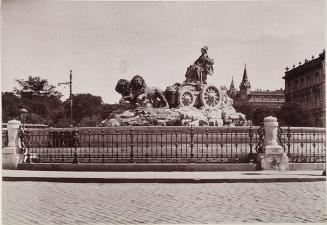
point(11, 158)
point(274, 158)
point(147, 116)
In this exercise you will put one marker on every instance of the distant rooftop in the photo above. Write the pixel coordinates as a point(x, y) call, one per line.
point(267, 92)
point(307, 64)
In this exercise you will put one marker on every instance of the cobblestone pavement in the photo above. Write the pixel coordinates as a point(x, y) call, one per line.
point(85, 203)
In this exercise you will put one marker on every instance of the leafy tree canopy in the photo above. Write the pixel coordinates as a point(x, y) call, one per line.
point(10, 106)
point(85, 105)
point(36, 86)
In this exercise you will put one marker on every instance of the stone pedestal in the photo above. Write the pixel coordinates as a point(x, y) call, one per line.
point(12, 155)
point(273, 156)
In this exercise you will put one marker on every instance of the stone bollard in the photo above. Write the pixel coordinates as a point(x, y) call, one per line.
point(12, 154)
point(273, 156)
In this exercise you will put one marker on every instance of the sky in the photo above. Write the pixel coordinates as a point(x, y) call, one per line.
point(105, 41)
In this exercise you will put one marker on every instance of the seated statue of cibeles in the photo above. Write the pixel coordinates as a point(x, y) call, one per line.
point(138, 93)
point(198, 71)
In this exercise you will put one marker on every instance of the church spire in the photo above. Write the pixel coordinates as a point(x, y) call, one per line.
point(245, 87)
point(245, 75)
point(232, 85)
point(232, 91)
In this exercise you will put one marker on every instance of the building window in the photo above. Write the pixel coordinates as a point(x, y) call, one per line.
point(287, 86)
point(302, 83)
point(296, 84)
point(308, 81)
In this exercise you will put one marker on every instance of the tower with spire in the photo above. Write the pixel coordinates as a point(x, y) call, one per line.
point(256, 98)
point(245, 86)
point(232, 90)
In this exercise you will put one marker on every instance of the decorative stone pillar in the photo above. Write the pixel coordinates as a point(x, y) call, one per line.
point(273, 156)
point(11, 155)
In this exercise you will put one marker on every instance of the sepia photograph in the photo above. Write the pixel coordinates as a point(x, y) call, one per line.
point(163, 112)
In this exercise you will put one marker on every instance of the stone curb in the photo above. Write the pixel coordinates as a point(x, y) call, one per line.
point(159, 180)
point(163, 167)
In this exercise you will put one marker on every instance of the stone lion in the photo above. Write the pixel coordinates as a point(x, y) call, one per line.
point(137, 92)
point(123, 88)
point(140, 92)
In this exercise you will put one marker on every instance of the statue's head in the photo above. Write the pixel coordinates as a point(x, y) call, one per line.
point(137, 84)
point(204, 49)
point(122, 87)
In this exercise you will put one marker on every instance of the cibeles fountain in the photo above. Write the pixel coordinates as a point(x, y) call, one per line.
point(193, 102)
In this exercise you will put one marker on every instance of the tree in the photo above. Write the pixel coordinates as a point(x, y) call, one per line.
point(256, 113)
point(260, 113)
point(246, 109)
point(288, 115)
point(62, 122)
point(90, 121)
point(292, 115)
point(10, 106)
point(39, 98)
point(36, 86)
point(107, 109)
point(85, 105)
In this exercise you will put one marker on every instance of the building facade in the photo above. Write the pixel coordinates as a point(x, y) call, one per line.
point(245, 96)
point(305, 88)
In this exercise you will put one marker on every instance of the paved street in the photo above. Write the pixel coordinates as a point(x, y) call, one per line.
point(85, 203)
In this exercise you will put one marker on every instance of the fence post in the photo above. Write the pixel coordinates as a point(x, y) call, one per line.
point(12, 155)
point(289, 135)
point(192, 144)
point(75, 144)
point(250, 157)
point(274, 156)
point(132, 144)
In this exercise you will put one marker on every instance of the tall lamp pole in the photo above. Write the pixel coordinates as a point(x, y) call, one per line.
point(70, 83)
point(23, 113)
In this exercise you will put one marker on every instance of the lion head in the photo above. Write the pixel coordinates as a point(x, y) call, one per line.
point(122, 87)
point(137, 83)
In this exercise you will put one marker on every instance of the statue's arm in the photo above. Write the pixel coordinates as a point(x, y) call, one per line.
point(197, 61)
point(141, 96)
point(210, 61)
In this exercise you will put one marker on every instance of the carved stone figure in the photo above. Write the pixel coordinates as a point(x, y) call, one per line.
point(123, 88)
point(199, 70)
point(140, 91)
point(137, 92)
point(192, 103)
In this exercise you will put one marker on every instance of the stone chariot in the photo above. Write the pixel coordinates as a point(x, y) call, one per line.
point(197, 95)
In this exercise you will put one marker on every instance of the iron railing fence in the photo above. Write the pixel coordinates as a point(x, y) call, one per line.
point(168, 144)
point(304, 144)
point(4, 138)
point(143, 144)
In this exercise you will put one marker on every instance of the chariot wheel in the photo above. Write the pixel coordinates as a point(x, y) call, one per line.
point(210, 96)
point(186, 98)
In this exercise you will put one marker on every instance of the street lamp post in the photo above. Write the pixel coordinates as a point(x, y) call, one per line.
point(21, 133)
point(23, 114)
point(70, 83)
